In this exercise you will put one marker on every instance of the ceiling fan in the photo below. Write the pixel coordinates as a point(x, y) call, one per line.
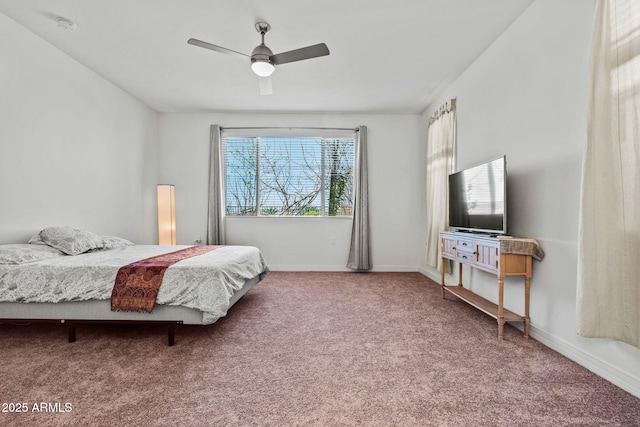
point(263, 61)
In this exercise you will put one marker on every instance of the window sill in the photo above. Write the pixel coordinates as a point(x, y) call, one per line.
point(306, 218)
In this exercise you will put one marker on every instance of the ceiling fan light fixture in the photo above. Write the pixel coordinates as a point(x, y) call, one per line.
point(263, 61)
point(262, 68)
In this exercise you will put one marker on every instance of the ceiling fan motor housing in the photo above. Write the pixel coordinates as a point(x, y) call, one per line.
point(261, 53)
point(261, 63)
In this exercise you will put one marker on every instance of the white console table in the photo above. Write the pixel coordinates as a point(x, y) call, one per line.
point(500, 256)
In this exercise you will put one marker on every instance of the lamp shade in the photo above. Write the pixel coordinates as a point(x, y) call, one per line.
point(166, 215)
point(263, 68)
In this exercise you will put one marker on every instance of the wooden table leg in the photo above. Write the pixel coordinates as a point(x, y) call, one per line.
point(527, 319)
point(500, 308)
point(442, 280)
point(500, 328)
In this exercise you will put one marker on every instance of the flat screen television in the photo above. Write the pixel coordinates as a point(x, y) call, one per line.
point(478, 198)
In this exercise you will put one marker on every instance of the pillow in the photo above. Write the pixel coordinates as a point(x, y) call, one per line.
point(21, 253)
point(36, 240)
point(71, 241)
point(113, 242)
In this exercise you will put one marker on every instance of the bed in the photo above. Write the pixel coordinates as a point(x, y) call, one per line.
point(54, 278)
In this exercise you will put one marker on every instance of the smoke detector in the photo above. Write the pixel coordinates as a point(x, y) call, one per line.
point(66, 24)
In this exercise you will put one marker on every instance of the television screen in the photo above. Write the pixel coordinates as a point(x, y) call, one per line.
point(477, 198)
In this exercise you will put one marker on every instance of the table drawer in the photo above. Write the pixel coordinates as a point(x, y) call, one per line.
point(465, 257)
point(465, 245)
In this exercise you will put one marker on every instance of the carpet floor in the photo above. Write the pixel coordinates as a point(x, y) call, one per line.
point(306, 349)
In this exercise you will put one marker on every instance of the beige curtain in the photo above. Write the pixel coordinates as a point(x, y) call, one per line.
point(608, 294)
point(216, 208)
point(440, 162)
point(360, 251)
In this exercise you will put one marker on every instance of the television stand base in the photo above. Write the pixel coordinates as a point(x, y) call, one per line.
point(484, 253)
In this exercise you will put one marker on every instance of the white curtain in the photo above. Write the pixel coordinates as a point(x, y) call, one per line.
point(359, 252)
point(608, 294)
point(441, 146)
point(215, 214)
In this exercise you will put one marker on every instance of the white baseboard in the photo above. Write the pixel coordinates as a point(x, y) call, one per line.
point(307, 268)
point(429, 274)
point(375, 269)
point(596, 365)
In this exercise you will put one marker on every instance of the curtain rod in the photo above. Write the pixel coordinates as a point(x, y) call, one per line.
point(285, 127)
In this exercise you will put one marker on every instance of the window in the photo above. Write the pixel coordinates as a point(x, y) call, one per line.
point(288, 175)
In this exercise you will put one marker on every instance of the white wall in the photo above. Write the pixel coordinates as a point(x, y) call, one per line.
point(526, 97)
point(396, 175)
point(74, 149)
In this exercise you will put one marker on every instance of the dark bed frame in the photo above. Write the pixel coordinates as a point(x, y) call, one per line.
point(120, 318)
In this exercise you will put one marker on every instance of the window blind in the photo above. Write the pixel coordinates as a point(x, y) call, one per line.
point(288, 175)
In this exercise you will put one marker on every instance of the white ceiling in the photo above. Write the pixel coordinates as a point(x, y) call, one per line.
point(386, 56)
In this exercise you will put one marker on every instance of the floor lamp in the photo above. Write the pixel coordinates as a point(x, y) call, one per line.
point(166, 214)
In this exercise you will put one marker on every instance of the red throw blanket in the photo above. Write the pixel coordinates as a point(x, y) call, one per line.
point(137, 284)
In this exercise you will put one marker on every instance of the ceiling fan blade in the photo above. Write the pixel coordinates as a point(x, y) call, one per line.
point(213, 47)
point(308, 52)
point(265, 86)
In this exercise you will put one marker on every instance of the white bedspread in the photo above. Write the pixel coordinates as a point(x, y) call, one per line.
point(204, 282)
